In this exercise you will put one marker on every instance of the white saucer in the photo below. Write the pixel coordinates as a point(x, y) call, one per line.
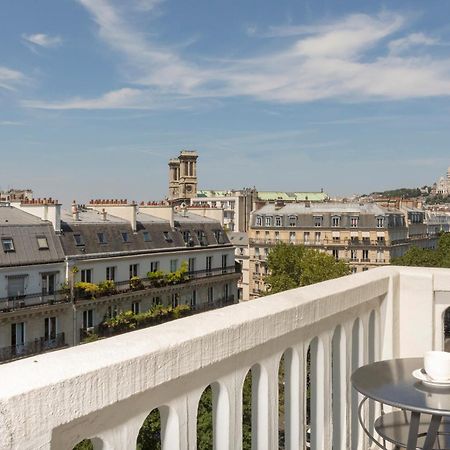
point(421, 375)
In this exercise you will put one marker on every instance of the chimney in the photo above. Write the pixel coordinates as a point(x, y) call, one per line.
point(279, 203)
point(75, 212)
point(104, 214)
point(307, 202)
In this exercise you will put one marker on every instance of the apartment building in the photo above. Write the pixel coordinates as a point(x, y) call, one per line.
point(242, 256)
point(236, 205)
point(364, 235)
point(46, 251)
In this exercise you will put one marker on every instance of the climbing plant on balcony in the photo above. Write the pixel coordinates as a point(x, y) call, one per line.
point(86, 290)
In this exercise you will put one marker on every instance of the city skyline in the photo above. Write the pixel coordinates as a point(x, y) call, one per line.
point(96, 96)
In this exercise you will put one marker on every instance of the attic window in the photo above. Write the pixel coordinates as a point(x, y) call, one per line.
point(101, 238)
point(42, 243)
point(146, 236)
point(8, 245)
point(125, 236)
point(167, 236)
point(78, 239)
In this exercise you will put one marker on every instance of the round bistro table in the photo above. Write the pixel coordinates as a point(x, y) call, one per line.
point(391, 383)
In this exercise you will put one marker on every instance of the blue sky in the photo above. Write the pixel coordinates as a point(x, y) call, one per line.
point(97, 95)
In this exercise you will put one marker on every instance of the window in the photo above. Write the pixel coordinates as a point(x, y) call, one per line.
point(79, 240)
point(88, 319)
point(112, 312)
point(86, 275)
point(48, 283)
point(50, 328)
point(167, 236)
point(292, 237)
point(17, 334)
point(111, 273)
point(224, 263)
point(8, 245)
point(317, 237)
point(173, 265)
point(16, 287)
point(335, 221)
point(292, 221)
point(380, 222)
point(101, 238)
point(194, 299)
point(135, 307)
point(191, 265)
point(380, 256)
point(201, 237)
point(186, 236)
point(146, 236)
point(354, 269)
point(210, 294)
point(154, 266)
point(353, 255)
point(277, 236)
point(306, 237)
point(365, 269)
point(268, 221)
point(256, 251)
point(133, 270)
point(42, 243)
point(125, 236)
point(380, 240)
point(175, 298)
point(336, 238)
point(258, 221)
point(219, 236)
point(336, 253)
point(209, 264)
point(318, 220)
point(156, 301)
point(365, 255)
point(354, 222)
point(278, 221)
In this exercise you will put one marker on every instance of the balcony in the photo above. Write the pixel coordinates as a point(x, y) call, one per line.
point(32, 300)
point(105, 390)
point(32, 348)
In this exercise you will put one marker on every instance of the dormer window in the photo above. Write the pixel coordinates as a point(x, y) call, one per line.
point(268, 221)
point(125, 236)
point(278, 221)
point(167, 236)
point(380, 222)
point(101, 238)
point(354, 221)
point(42, 243)
point(335, 221)
point(258, 221)
point(292, 221)
point(79, 240)
point(146, 236)
point(8, 245)
point(318, 220)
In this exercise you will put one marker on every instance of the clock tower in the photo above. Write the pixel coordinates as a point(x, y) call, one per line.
point(183, 176)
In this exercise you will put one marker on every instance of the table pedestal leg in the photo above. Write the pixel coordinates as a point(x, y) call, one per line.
point(413, 431)
point(432, 432)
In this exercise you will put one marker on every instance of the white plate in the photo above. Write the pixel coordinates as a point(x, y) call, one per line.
point(421, 375)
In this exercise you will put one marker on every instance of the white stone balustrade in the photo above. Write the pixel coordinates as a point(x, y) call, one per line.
point(105, 390)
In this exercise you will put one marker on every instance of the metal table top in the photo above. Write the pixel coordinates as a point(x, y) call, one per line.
point(391, 382)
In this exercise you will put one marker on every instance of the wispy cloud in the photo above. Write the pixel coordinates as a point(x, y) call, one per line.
point(333, 60)
point(12, 123)
point(43, 40)
point(10, 78)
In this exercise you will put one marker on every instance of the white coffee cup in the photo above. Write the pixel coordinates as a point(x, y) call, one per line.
point(437, 365)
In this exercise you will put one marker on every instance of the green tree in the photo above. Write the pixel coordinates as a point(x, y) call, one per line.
point(85, 444)
point(425, 257)
point(149, 437)
point(291, 266)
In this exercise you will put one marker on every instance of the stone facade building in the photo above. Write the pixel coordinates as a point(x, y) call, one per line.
point(363, 235)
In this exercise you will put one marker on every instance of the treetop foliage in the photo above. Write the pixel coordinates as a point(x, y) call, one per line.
point(420, 257)
point(291, 266)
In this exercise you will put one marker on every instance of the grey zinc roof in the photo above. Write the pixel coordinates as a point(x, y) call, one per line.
point(238, 237)
point(90, 216)
point(301, 208)
point(24, 229)
point(189, 217)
